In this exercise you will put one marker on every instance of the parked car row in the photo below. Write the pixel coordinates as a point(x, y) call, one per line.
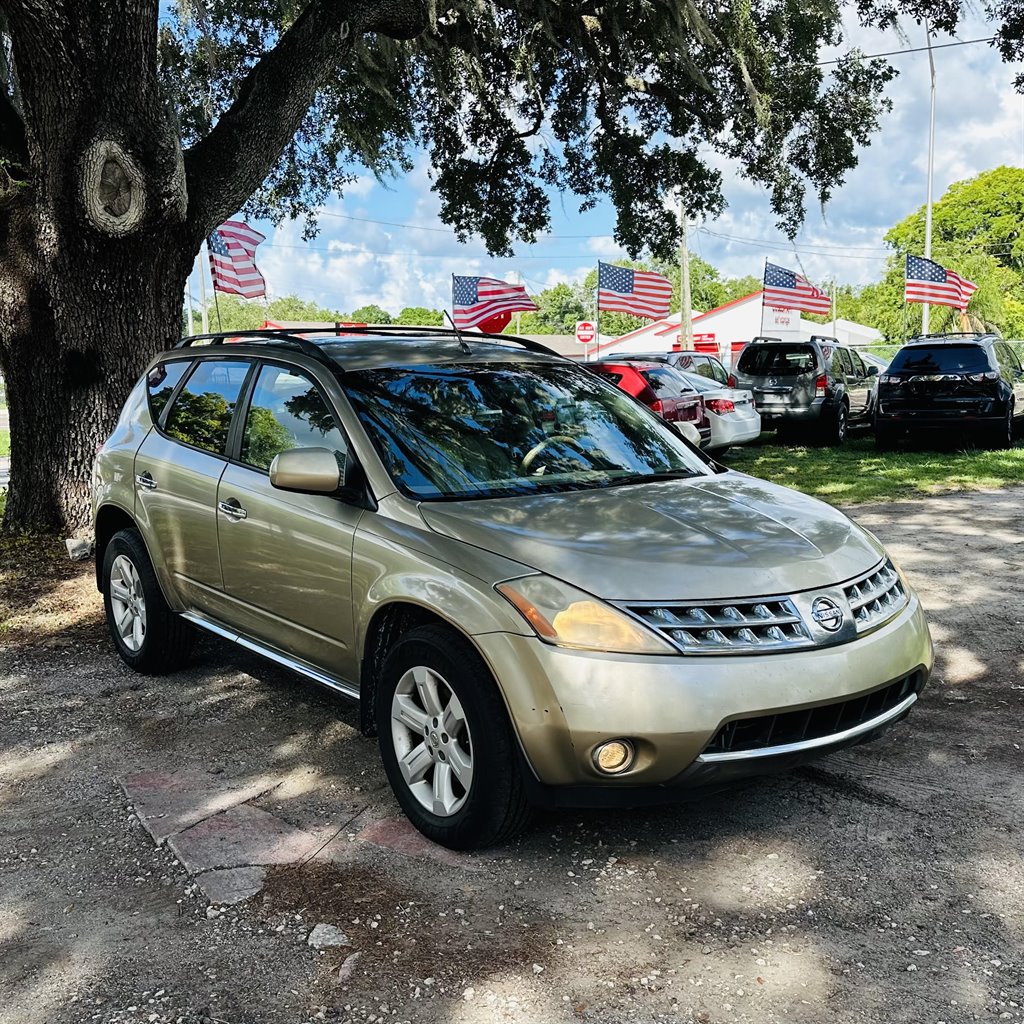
point(725, 416)
point(816, 390)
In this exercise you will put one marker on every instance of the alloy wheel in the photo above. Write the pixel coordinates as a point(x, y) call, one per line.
point(432, 741)
point(128, 603)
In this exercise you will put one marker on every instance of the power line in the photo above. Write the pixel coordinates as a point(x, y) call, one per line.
point(909, 49)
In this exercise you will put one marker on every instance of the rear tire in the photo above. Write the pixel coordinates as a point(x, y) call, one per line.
point(447, 743)
point(835, 426)
point(885, 438)
point(1002, 435)
point(149, 637)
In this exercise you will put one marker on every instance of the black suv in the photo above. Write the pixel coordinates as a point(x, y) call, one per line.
point(815, 387)
point(951, 382)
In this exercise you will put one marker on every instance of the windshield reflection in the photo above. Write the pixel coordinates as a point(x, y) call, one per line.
point(500, 429)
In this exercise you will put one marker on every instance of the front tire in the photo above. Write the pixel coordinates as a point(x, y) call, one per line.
point(148, 636)
point(447, 743)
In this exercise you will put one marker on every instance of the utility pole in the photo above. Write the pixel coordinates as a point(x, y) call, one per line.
point(925, 309)
point(188, 304)
point(685, 303)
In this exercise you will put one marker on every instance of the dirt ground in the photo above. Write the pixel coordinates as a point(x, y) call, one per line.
point(884, 883)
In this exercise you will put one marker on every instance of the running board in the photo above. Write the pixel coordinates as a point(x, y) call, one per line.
point(338, 685)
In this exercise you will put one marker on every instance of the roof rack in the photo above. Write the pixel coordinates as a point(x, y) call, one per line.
point(955, 335)
point(340, 331)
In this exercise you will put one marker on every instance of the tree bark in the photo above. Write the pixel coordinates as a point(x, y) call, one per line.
point(100, 223)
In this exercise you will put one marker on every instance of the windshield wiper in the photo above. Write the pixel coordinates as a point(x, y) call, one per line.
point(651, 478)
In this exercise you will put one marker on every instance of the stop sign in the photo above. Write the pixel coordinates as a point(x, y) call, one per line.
point(586, 332)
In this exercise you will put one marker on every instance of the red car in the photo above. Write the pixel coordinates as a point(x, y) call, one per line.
point(661, 389)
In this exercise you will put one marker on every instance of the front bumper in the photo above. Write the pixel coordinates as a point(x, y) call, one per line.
point(564, 703)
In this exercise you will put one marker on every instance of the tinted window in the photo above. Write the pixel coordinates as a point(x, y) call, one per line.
point(841, 361)
point(1008, 358)
point(780, 360)
point(287, 411)
point(489, 430)
point(612, 378)
point(941, 359)
point(201, 414)
point(162, 380)
point(858, 364)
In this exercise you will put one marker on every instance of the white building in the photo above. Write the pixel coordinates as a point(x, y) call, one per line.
point(726, 329)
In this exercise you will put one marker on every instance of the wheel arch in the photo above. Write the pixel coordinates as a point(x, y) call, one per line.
point(110, 519)
point(388, 623)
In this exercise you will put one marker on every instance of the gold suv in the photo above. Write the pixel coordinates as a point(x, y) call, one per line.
point(536, 589)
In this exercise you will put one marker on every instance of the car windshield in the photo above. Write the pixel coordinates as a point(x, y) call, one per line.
point(493, 430)
point(779, 360)
point(940, 359)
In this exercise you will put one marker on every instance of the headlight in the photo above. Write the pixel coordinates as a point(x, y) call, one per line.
point(568, 617)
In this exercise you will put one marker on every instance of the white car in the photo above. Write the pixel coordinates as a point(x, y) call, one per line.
point(734, 417)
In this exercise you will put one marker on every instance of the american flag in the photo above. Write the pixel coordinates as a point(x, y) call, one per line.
point(928, 281)
point(476, 299)
point(233, 260)
point(784, 289)
point(640, 292)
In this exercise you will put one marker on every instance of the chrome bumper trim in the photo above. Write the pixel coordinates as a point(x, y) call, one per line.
point(820, 741)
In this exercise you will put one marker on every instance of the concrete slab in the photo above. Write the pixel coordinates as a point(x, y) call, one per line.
point(241, 837)
point(232, 885)
point(400, 835)
point(169, 802)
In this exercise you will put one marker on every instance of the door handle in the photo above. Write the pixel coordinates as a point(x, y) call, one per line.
point(145, 481)
point(232, 509)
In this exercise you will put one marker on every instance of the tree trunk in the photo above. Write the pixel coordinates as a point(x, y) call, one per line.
point(94, 245)
point(76, 343)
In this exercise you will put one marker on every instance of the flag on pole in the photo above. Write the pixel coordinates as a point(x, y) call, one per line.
point(928, 281)
point(476, 299)
point(785, 289)
point(233, 260)
point(639, 292)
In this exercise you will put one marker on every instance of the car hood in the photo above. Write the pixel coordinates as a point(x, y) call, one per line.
point(727, 536)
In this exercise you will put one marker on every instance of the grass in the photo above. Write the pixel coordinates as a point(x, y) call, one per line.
point(5, 443)
point(857, 472)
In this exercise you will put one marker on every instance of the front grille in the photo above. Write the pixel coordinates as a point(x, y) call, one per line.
point(728, 628)
point(876, 598)
point(796, 726)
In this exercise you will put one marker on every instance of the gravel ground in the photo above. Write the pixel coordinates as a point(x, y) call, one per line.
point(884, 883)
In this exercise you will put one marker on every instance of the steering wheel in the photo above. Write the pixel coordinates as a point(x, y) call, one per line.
point(532, 454)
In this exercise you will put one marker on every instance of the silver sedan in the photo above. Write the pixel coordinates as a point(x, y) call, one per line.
point(731, 411)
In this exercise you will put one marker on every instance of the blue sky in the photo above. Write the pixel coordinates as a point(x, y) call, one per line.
point(979, 125)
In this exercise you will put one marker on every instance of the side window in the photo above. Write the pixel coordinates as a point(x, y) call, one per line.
point(287, 411)
point(858, 365)
point(841, 361)
point(663, 381)
point(705, 368)
point(718, 371)
point(201, 413)
point(1007, 358)
point(162, 381)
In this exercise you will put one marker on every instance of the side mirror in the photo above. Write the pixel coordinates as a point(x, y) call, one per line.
point(872, 370)
point(688, 432)
point(308, 470)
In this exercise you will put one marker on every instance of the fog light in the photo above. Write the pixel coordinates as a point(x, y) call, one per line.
point(614, 757)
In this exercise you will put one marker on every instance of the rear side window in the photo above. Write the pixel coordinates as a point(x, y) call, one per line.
point(941, 359)
point(841, 361)
point(778, 360)
point(612, 378)
point(202, 411)
point(161, 382)
point(664, 382)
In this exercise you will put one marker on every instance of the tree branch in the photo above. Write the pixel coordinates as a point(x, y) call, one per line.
point(227, 166)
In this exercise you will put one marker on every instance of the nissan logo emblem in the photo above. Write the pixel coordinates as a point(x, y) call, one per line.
point(827, 614)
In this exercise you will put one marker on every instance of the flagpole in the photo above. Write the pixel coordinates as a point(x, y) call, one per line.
point(925, 310)
point(597, 313)
point(685, 301)
point(188, 304)
point(203, 262)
